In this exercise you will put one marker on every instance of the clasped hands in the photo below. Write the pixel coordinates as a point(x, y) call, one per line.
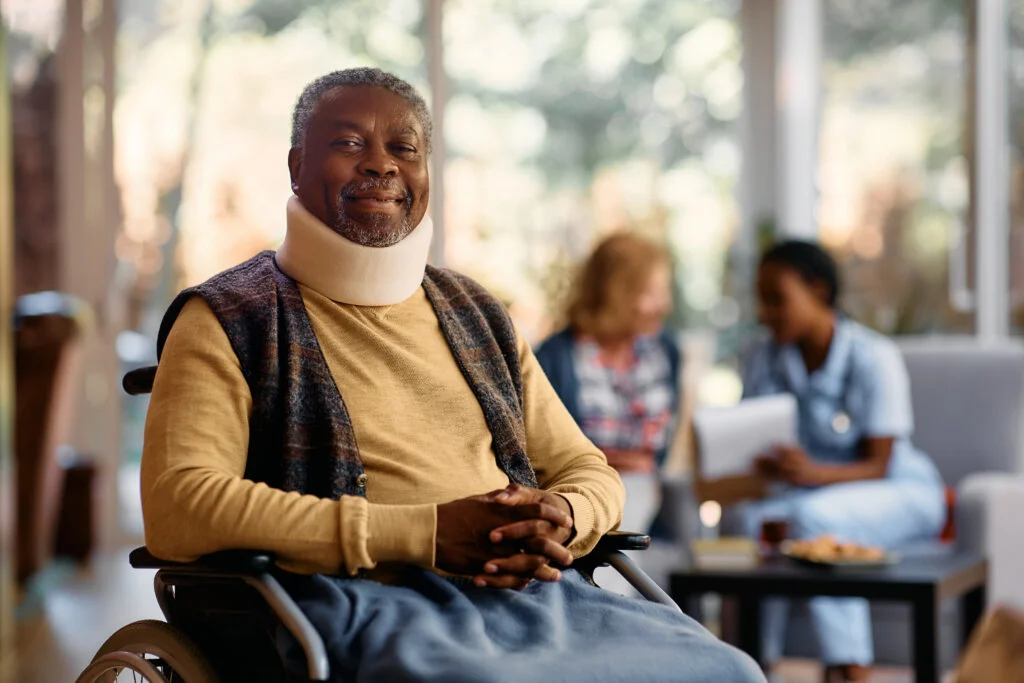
point(506, 537)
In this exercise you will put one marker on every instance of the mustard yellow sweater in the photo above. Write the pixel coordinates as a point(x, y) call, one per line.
point(421, 434)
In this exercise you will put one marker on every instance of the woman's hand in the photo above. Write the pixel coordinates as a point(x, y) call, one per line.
point(791, 464)
point(798, 469)
point(767, 466)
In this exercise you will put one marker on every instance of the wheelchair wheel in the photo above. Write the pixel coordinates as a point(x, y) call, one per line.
point(151, 651)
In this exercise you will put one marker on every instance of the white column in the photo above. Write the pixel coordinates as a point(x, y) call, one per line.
point(782, 101)
point(758, 191)
point(992, 203)
point(439, 94)
point(798, 102)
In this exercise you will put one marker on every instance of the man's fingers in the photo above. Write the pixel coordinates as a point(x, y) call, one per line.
point(535, 536)
point(555, 551)
point(523, 565)
point(538, 518)
point(547, 573)
point(547, 512)
point(530, 504)
point(500, 581)
point(520, 530)
point(514, 494)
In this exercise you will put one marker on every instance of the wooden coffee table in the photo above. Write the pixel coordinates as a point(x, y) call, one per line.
point(924, 583)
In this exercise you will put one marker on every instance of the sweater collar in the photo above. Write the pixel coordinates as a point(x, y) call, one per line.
point(349, 273)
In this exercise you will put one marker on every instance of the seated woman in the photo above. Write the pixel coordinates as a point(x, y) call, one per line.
point(855, 473)
point(616, 370)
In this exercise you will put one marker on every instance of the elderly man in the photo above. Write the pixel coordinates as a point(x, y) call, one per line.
point(380, 426)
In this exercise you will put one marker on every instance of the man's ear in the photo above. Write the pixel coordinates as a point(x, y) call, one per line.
point(295, 166)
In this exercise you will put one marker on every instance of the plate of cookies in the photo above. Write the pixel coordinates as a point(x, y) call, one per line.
point(827, 551)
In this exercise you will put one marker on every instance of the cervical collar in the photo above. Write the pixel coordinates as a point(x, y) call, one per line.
point(351, 273)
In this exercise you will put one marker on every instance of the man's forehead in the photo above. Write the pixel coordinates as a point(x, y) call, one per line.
point(347, 104)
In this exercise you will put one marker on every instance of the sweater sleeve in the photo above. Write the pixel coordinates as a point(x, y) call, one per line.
point(565, 460)
point(195, 499)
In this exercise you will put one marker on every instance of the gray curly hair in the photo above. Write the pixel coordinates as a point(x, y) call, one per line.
point(312, 93)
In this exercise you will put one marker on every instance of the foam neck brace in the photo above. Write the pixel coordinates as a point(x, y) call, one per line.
point(351, 273)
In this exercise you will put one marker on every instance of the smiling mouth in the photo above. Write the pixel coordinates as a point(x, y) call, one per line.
point(374, 198)
point(374, 204)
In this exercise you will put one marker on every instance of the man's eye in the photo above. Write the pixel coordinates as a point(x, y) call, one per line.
point(345, 143)
point(404, 149)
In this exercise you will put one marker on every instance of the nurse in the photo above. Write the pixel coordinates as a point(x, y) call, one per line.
point(855, 473)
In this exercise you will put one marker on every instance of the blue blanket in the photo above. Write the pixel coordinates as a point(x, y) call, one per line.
point(447, 630)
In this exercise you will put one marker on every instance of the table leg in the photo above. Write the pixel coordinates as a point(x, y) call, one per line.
point(973, 607)
point(926, 639)
point(750, 625)
point(695, 608)
point(687, 602)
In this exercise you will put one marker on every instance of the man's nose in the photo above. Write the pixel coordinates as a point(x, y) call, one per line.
point(377, 162)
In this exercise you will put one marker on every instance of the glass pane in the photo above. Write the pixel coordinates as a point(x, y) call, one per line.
point(1016, 95)
point(570, 120)
point(206, 90)
point(894, 174)
point(203, 119)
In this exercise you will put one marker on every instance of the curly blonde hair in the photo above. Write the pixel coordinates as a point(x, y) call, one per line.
point(610, 280)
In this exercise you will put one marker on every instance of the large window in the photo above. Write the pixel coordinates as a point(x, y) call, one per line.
point(1016, 251)
point(570, 120)
point(206, 89)
point(205, 93)
point(894, 172)
point(564, 121)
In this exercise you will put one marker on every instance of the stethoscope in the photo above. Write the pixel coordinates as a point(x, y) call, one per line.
point(841, 422)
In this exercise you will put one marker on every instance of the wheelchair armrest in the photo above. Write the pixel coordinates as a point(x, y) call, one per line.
point(621, 540)
point(139, 381)
point(250, 562)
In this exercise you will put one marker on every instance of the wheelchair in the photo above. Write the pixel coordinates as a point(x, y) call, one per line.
point(224, 612)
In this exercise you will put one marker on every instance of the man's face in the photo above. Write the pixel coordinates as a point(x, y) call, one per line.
point(362, 169)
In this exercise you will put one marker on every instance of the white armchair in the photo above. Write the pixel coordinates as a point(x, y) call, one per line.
point(969, 417)
point(990, 522)
point(969, 414)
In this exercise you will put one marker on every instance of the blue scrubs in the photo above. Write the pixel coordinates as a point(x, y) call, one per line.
point(862, 391)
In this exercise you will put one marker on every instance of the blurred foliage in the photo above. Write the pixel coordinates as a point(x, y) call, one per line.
point(889, 53)
point(872, 26)
point(904, 64)
point(592, 121)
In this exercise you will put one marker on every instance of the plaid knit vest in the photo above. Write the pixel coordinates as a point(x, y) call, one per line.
point(300, 433)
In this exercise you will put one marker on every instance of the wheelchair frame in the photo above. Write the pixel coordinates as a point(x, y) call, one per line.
point(255, 569)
